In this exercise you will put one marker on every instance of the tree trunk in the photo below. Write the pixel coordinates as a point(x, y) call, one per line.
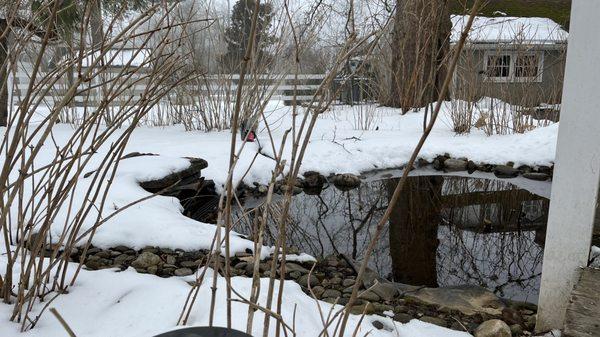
point(3, 74)
point(420, 43)
point(413, 231)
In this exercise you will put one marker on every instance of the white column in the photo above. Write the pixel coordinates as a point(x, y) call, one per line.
point(576, 172)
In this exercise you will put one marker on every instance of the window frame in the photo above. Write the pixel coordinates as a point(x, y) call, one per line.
point(512, 78)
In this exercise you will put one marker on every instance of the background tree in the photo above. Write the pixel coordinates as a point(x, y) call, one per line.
point(238, 33)
point(420, 43)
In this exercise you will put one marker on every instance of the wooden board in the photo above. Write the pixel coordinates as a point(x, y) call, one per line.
point(583, 313)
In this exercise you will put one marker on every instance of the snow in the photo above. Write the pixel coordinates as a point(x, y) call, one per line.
point(111, 303)
point(337, 146)
point(508, 29)
point(120, 57)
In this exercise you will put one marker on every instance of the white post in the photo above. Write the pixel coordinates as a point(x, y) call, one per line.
point(577, 170)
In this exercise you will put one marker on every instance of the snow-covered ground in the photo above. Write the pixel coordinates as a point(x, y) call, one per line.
point(106, 303)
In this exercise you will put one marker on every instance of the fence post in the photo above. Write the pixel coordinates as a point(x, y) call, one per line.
point(577, 172)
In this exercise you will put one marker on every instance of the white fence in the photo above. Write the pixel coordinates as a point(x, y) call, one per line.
point(280, 87)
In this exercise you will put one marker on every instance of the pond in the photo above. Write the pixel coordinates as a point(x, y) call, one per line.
point(444, 231)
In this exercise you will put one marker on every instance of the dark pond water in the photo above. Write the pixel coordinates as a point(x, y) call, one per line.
point(444, 231)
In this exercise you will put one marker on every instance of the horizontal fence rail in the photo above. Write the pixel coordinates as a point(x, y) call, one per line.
point(302, 87)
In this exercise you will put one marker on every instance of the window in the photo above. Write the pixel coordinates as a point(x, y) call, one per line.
point(513, 66)
point(498, 66)
point(526, 65)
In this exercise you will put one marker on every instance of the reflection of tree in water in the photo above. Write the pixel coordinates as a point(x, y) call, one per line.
point(490, 237)
point(443, 231)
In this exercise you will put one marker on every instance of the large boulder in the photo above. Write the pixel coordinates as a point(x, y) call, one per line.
point(493, 328)
point(469, 300)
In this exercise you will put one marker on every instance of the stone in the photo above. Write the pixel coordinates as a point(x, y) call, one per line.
point(145, 260)
point(152, 270)
point(170, 259)
point(530, 322)
point(190, 264)
point(516, 329)
point(505, 171)
point(493, 328)
point(536, 176)
point(469, 300)
point(348, 282)
point(304, 280)
point(471, 166)
point(94, 264)
point(313, 179)
point(403, 317)
point(434, 320)
point(346, 181)
point(366, 308)
point(105, 254)
point(377, 324)
point(332, 293)
point(121, 248)
point(369, 296)
point(335, 281)
point(122, 259)
point(455, 165)
point(386, 291)
point(291, 267)
point(318, 291)
point(183, 272)
point(295, 274)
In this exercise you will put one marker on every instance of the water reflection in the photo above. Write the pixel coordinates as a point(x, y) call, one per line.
point(443, 231)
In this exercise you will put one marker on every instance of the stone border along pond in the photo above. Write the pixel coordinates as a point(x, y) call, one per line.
point(468, 308)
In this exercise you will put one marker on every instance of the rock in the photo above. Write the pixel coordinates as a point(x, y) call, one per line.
point(536, 176)
point(386, 291)
point(152, 270)
point(377, 324)
point(295, 274)
point(471, 166)
point(403, 317)
point(366, 308)
point(193, 171)
point(191, 264)
point(183, 272)
point(493, 328)
point(455, 165)
point(93, 251)
point(348, 282)
point(530, 322)
point(438, 162)
point(335, 281)
point(505, 171)
point(105, 254)
point(369, 296)
point(346, 181)
point(318, 291)
point(433, 320)
point(304, 280)
point(469, 300)
point(293, 267)
point(121, 249)
point(313, 179)
point(170, 259)
point(145, 260)
point(332, 293)
point(516, 330)
point(122, 259)
point(94, 264)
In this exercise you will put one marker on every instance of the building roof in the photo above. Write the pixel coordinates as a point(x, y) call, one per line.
point(508, 30)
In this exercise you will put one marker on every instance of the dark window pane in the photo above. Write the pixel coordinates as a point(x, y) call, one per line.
point(498, 66)
point(526, 66)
